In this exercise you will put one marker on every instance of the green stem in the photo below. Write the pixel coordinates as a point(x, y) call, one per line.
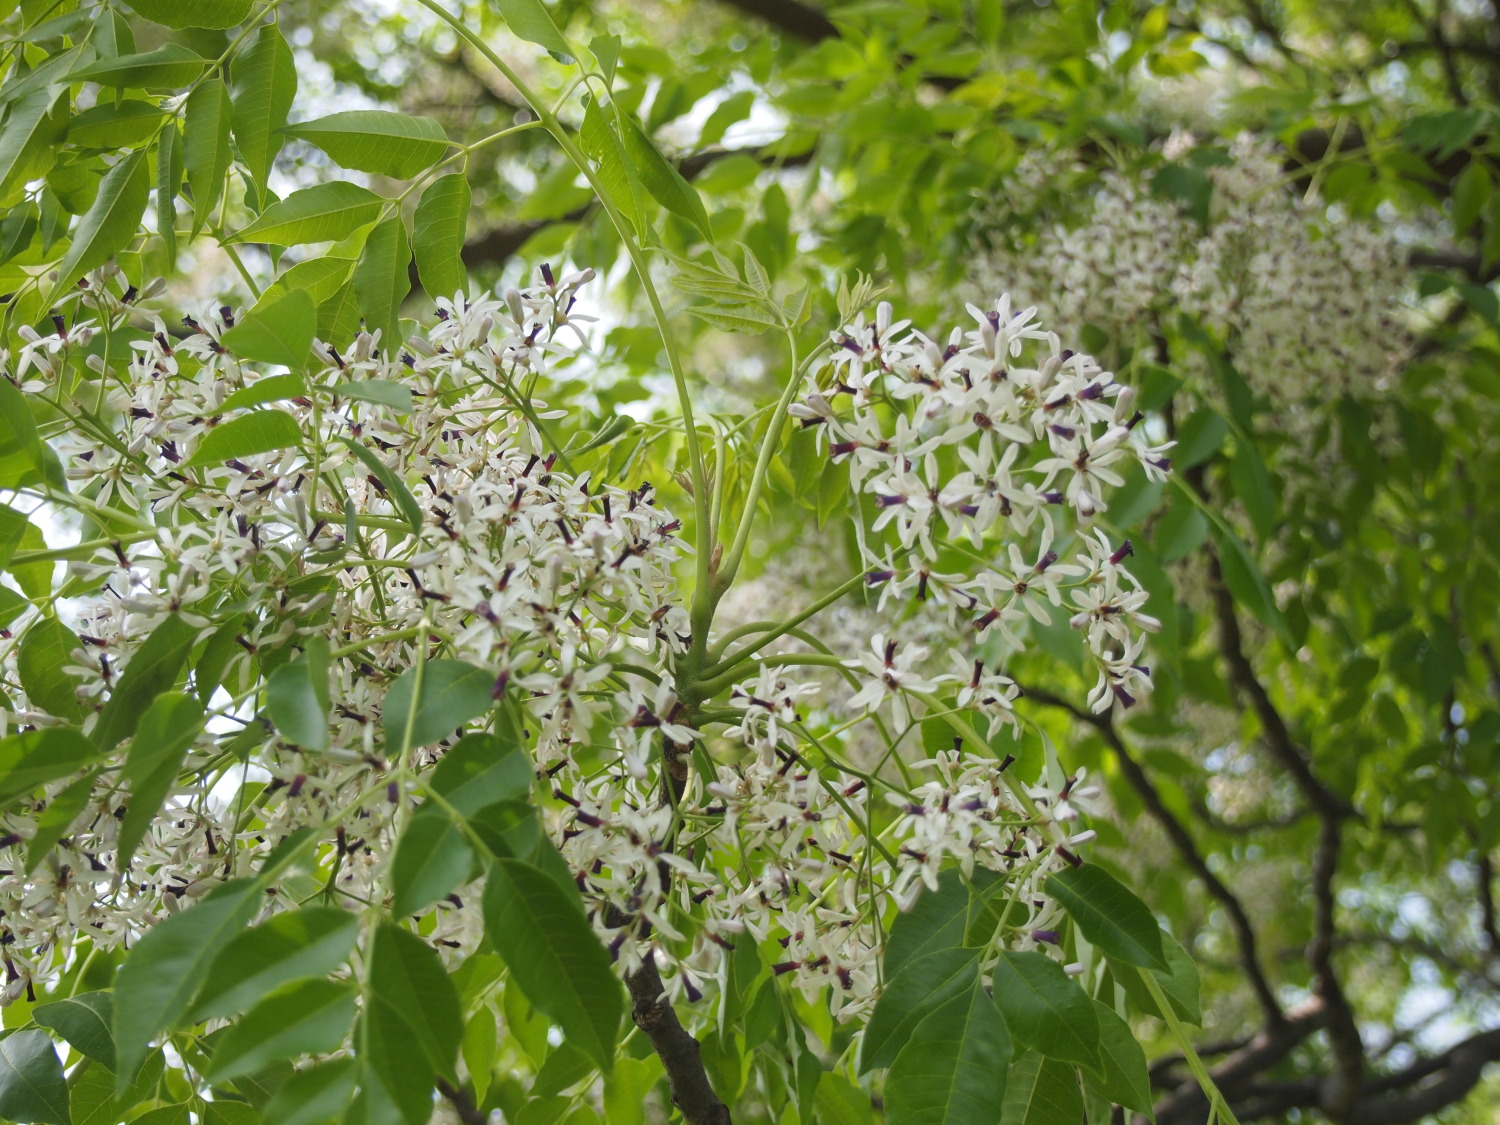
point(817, 607)
point(1195, 1064)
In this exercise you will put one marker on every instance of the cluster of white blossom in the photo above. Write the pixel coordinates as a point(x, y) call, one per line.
point(457, 529)
point(976, 453)
point(1269, 276)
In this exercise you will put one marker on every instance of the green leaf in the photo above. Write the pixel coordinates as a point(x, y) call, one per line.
point(280, 332)
point(376, 140)
point(383, 279)
point(28, 139)
point(953, 1070)
point(314, 1095)
point(840, 1102)
point(263, 84)
point(57, 818)
point(730, 111)
point(617, 175)
point(939, 919)
point(1125, 1081)
point(1046, 1010)
point(1252, 484)
point(452, 693)
point(84, 1021)
point(93, 1092)
point(1181, 531)
point(35, 757)
point(312, 941)
point(1041, 1091)
point(431, 858)
point(407, 975)
point(169, 65)
point(923, 985)
point(157, 751)
point(304, 1017)
point(257, 432)
point(320, 278)
point(1180, 983)
point(222, 1112)
point(554, 957)
point(156, 984)
point(606, 52)
point(1199, 438)
point(205, 146)
point(32, 1086)
point(438, 228)
point(1471, 194)
point(297, 697)
point(110, 222)
point(13, 529)
point(530, 20)
point(111, 126)
point(272, 388)
point(747, 319)
point(382, 391)
point(480, 770)
point(168, 184)
point(1109, 915)
point(395, 1082)
point(217, 15)
point(661, 179)
point(338, 316)
point(45, 650)
point(394, 487)
point(152, 669)
point(48, 72)
point(19, 441)
point(321, 213)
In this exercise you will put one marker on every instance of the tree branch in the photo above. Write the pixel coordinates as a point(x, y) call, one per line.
point(800, 20)
point(1182, 839)
point(679, 1052)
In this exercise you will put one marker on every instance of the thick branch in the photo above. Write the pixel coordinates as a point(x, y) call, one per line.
point(678, 1050)
point(801, 20)
point(1402, 1098)
point(1342, 1086)
point(1188, 1105)
point(463, 1104)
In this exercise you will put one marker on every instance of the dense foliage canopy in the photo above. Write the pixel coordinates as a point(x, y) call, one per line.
point(910, 562)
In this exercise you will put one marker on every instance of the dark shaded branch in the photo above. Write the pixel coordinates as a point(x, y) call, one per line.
point(1402, 1098)
point(1484, 876)
point(463, 1104)
point(1278, 737)
point(675, 1046)
point(1343, 1033)
point(1182, 839)
point(801, 20)
point(1342, 1086)
point(1187, 1105)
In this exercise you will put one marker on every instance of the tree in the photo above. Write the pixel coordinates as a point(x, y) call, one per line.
point(941, 546)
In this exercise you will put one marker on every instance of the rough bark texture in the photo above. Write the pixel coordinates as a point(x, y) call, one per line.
point(692, 1093)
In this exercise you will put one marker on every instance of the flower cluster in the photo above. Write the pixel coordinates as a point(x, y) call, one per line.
point(427, 511)
point(1268, 276)
point(977, 454)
